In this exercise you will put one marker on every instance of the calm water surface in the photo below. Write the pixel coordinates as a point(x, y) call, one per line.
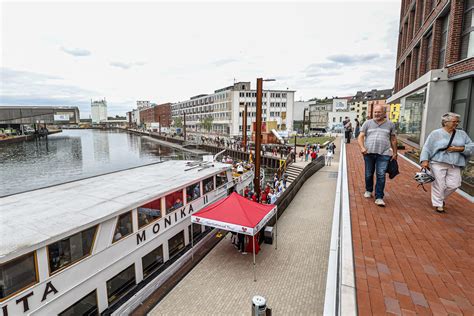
point(75, 154)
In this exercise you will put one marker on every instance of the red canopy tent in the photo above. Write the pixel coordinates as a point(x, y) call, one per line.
point(237, 214)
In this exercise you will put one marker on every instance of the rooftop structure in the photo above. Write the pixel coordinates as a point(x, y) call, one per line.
point(39, 114)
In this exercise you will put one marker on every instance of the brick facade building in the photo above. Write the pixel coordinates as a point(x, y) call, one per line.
point(160, 113)
point(435, 66)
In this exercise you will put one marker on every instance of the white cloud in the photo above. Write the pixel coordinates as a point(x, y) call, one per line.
point(166, 51)
point(78, 52)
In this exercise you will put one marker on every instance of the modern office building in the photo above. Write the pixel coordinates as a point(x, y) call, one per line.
point(225, 108)
point(98, 111)
point(435, 66)
point(435, 70)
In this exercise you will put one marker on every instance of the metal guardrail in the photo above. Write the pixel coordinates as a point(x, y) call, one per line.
point(340, 298)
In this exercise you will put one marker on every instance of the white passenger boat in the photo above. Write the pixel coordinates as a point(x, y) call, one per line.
point(96, 245)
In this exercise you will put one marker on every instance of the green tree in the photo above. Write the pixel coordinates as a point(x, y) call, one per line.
point(178, 122)
point(206, 123)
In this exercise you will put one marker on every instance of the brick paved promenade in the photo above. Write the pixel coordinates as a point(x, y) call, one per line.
point(409, 259)
point(292, 278)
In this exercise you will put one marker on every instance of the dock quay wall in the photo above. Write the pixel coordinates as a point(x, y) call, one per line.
point(271, 162)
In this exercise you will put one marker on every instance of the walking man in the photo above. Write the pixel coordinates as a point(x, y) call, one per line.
point(378, 144)
point(347, 129)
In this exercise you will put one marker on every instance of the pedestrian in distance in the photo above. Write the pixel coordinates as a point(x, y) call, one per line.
point(328, 157)
point(347, 129)
point(313, 155)
point(445, 153)
point(378, 144)
point(357, 128)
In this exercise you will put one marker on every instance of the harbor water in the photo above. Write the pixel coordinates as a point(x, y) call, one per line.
point(75, 154)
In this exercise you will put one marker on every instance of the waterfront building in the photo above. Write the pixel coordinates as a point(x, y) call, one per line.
point(435, 67)
point(143, 105)
point(225, 106)
point(340, 110)
point(16, 116)
point(98, 111)
point(300, 110)
point(363, 102)
point(154, 115)
point(319, 114)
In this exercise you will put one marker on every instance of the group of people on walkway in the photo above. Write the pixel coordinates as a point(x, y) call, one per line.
point(271, 191)
point(444, 154)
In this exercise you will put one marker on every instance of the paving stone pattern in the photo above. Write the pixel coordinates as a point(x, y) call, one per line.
point(292, 278)
point(409, 259)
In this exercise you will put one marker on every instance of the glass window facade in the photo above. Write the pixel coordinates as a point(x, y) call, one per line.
point(85, 306)
point(463, 104)
point(70, 250)
point(149, 212)
point(467, 37)
point(124, 226)
point(120, 284)
point(17, 274)
point(411, 113)
point(152, 261)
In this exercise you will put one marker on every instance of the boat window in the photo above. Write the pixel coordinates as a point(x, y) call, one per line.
point(85, 306)
point(124, 226)
point(174, 201)
point(193, 192)
point(17, 274)
point(221, 179)
point(175, 244)
point(71, 249)
point(120, 284)
point(152, 261)
point(149, 212)
point(196, 231)
point(208, 184)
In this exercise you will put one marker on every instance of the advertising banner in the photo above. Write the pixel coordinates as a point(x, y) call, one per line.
point(339, 104)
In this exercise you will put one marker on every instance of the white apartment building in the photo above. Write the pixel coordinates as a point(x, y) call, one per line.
point(226, 106)
point(143, 105)
point(98, 111)
point(340, 110)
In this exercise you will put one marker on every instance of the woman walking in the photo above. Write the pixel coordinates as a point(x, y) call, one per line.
point(357, 128)
point(444, 153)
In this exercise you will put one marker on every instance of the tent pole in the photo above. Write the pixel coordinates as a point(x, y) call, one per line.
point(276, 230)
point(192, 243)
point(254, 273)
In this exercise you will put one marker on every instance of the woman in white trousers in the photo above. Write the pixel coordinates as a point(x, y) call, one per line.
point(445, 153)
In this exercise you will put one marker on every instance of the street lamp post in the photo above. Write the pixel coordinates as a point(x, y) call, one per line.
point(258, 135)
point(244, 128)
point(184, 126)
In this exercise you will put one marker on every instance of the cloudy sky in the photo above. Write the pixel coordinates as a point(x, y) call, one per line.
point(56, 53)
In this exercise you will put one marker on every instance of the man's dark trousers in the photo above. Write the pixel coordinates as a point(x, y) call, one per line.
point(378, 164)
